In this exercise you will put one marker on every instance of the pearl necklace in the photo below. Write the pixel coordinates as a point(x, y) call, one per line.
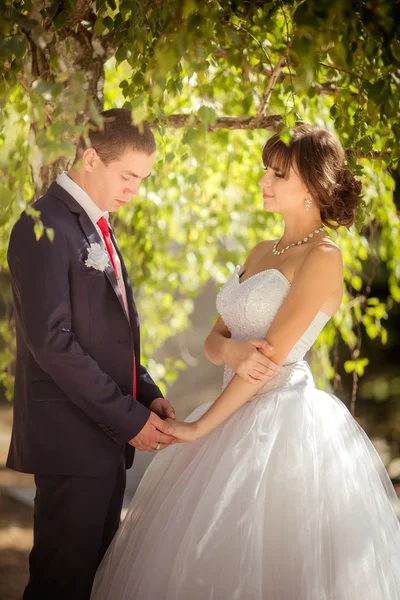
point(299, 243)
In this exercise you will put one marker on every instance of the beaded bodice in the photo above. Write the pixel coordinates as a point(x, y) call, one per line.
point(249, 307)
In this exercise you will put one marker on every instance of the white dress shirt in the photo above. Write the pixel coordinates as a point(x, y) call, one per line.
point(94, 213)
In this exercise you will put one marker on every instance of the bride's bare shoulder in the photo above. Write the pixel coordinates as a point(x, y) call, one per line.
point(324, 256)
point(326, 247)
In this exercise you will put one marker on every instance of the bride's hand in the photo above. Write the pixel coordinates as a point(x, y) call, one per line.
point(184, 432)
point(247, 358)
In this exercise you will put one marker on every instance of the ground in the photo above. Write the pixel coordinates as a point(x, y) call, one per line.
point(15, 522)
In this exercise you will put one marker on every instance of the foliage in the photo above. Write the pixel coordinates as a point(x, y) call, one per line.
point(213, 77)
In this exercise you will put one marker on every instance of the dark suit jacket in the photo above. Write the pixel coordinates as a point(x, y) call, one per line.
point(73, 408)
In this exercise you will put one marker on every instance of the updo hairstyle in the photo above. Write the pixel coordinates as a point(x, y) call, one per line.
point(319, 159)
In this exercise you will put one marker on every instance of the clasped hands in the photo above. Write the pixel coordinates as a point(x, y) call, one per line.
point(162, 429)
point(156, 433)
point(247, 358)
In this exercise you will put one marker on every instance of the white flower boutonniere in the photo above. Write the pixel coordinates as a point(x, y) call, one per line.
point(97, 257)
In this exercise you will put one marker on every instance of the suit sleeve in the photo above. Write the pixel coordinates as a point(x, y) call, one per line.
point(148, 390)
point(39, 271)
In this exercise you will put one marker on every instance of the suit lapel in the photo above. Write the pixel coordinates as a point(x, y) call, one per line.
point(90, 232)
point(94, 238)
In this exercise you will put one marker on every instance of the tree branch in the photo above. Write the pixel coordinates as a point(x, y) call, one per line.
point(267, 123)
point(259, 44)
point(343, 71)
point(321, 89)
point(179, 121)
point(274, 77)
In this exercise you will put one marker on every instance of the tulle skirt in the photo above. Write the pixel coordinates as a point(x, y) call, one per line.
point(286, 500)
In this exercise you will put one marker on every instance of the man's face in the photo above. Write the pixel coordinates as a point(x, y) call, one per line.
point(111, 186)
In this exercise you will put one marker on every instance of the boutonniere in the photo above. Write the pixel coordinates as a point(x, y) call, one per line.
point(97, 257)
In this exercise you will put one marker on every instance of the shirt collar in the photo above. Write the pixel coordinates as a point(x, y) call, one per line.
point(93, 211)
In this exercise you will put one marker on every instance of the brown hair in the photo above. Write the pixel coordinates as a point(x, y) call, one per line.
point(115, 135)
point(319, 159)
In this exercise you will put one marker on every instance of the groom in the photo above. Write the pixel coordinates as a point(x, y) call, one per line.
point(83, 402)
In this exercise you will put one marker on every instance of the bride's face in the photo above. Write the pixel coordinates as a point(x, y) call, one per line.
point(283, 193)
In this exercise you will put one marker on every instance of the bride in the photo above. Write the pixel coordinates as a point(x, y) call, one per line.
point(279, 495)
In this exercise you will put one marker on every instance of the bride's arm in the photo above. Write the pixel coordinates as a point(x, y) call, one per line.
point(248, 358)
point(320, 275)
point(217, 342)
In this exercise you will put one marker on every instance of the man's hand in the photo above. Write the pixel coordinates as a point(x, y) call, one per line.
point(155, 434)
point(163, 408)
point(247, 358)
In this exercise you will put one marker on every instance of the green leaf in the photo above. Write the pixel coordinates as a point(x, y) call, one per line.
point(38, 230)
point(50, 233)
point(286, 136)
point(395, 48)
point(60, 20)
point(360, 366)
point(189, 136)
point(120, 54)
point(349, 366)
point(372, 331)
point(207, 115)
point(99, 26)
point(373, 301)
point(356, 282)
point(108, 23)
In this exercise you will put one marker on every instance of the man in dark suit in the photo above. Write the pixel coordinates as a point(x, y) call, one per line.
point(83, 402)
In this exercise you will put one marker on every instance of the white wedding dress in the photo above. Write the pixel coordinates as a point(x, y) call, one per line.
point(286, 500)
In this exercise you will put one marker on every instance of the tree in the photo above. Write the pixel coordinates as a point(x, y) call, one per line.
point(214, 78)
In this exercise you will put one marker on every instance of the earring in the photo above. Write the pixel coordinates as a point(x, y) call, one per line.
point(307, 202)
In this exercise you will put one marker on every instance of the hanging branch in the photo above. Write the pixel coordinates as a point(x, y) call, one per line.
point(259, 44)
point(356, 75)
point(289, 44)
point(355, 353)
point(271, 84)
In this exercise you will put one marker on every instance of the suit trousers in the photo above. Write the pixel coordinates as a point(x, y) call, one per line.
point(75, 519)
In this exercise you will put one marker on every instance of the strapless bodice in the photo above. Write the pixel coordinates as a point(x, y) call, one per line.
point(249, 307)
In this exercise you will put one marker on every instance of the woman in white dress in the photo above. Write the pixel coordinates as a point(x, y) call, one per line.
point(277, 493)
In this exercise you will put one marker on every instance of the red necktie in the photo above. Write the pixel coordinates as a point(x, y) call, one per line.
point(103, 225)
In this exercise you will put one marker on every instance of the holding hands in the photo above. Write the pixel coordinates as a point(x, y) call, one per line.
point(249, 360)
point(163, 408)
point(157, 433)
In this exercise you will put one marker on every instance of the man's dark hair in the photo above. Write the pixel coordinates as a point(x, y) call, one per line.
point(116, 134)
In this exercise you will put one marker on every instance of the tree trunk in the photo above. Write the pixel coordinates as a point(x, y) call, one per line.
point(77, 50)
